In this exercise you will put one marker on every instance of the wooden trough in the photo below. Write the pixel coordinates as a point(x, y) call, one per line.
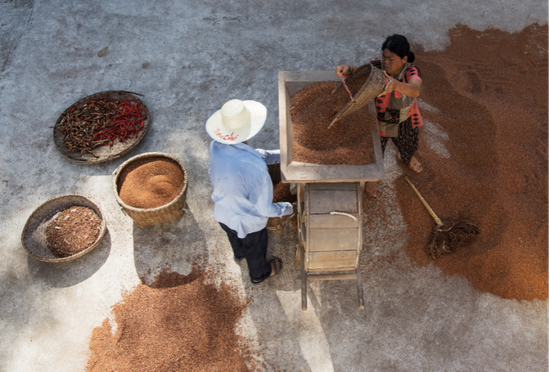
point(329, 198)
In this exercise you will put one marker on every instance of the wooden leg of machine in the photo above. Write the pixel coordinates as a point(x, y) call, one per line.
point(299, 221)
point(360, 288)
point(304, 279)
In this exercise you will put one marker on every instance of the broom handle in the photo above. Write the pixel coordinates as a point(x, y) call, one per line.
point(436, 219)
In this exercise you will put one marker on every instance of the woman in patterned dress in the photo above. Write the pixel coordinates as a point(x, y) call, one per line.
point(396, 107)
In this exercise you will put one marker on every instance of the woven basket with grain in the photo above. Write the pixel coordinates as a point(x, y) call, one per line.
point(33, 236)
point(103, 153)
point(153, 216)
point(371, 88)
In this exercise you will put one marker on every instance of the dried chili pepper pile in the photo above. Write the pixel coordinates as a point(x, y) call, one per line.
point(101, 122)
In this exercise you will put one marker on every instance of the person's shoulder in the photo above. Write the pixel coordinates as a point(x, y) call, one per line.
point(218, 147)
point(412, 71)
point(223, 152)
point(214, 147)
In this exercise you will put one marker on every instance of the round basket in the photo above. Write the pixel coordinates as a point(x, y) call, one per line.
point(34, 233)
point(106, 152)
point(154, 216)
point(371, 88)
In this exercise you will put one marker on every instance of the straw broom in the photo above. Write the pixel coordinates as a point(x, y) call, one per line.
point(446, 235)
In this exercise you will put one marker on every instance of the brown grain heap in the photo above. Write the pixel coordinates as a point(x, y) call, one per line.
point(281, 193)
point(179, 323)
point(150, 182)
point(490, 90)
point(72, 231)
point(348, 141)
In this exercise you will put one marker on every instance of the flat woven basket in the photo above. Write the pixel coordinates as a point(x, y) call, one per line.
point(104, 153)
point(371, 88)
point(34, 232)
point(153, 216)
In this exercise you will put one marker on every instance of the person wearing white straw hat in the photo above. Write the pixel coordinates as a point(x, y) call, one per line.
point(243, 190)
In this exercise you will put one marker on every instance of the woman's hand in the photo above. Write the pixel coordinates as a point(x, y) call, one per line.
point(390, 84)
point(343, 71)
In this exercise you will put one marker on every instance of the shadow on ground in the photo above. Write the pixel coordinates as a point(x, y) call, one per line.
point(173, 246)
point(279, 341)
point(69, 273)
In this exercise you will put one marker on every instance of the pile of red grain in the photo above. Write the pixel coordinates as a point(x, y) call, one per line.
point(72, 230)
point(490, 90)
point(179, 323)
point(281, 193)
point(150, 182)
point(348, 141)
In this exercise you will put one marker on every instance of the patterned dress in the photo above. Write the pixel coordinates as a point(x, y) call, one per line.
point(398, 115)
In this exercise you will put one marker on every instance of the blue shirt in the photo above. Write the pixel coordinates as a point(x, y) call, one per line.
point(243, 190)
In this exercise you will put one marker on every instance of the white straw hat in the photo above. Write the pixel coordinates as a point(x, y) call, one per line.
point(237, 121)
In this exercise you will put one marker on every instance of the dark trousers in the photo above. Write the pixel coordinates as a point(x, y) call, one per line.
point(406, 142)
point(253, 247)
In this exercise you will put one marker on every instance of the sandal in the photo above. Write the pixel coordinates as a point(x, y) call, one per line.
point(274, 270)
point(414, 164)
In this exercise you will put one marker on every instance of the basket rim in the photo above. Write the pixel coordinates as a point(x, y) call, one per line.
point(119, 169)
point(44, 206)
point(368, 91)
point(132, 142)
point(375, 76)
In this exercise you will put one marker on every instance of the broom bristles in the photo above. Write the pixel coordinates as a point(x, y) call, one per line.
point(447, 237)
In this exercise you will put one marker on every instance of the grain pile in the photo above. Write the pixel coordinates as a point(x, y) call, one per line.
point(490, 90)
point(179, 323)
point(348, 141)
point(150, 182)
point(72, 230)
point(281, 193)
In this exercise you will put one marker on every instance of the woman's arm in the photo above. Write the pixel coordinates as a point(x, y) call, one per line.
point(410, 89)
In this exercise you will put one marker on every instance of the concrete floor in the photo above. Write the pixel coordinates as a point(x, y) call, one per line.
point(188, 58)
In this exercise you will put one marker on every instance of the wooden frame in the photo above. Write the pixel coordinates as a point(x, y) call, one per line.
point(304, 174)
point(322, 257)
point(296, 172)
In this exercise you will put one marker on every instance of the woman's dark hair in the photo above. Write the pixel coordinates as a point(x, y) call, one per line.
point(399, 45)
